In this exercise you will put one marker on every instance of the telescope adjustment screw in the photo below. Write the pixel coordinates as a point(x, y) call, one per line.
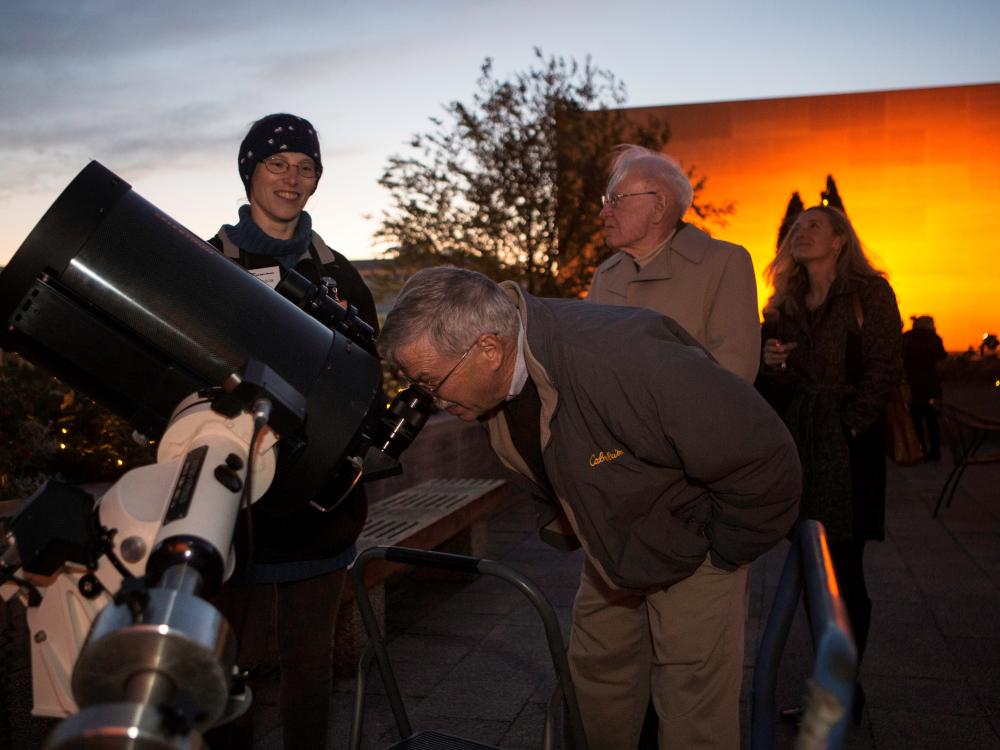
point(227, 478)
point(133, 549)
point(90, 587)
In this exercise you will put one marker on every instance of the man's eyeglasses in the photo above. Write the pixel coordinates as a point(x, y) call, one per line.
point(433, 390)
point(614, 199)
point(307, 170)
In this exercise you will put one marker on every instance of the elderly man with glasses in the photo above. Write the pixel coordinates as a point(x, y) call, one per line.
point(671, 471)
point(667, 265)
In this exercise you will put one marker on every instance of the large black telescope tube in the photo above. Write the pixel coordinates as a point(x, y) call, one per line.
point(119, 300)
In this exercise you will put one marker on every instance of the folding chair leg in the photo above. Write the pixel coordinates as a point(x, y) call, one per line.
point(944, 491)
point(954, 485)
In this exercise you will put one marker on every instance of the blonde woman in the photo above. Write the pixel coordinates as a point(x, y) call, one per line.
point(832, 351)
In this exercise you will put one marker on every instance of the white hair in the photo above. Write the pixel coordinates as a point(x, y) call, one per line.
point(655, 167)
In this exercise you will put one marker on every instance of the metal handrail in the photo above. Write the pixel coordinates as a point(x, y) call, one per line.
point(808, 568)
point(460, 563)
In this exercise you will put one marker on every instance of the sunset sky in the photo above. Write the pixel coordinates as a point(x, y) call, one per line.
point(162, 93)
point(918, 171)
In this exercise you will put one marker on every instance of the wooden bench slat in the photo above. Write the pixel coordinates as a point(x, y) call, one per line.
point(427, 516)
point(422, 517)
point(423, 506)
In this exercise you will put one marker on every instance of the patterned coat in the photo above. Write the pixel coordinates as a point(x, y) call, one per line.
point(832, 396)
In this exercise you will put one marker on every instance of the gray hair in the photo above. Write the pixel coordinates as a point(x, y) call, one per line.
point(655, 167)
point(452, 307)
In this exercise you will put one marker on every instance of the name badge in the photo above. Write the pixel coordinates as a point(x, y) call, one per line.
point(270, 275)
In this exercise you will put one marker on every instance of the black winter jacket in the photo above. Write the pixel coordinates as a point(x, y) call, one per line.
point(309, 534)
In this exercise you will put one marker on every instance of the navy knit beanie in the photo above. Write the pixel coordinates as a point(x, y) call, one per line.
point(273, 134)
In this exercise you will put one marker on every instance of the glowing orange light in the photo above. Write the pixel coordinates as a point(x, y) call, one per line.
point(831, 576)
point(916, 169)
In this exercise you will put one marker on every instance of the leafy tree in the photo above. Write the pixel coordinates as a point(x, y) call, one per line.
point(510, 183)
point(48, 430)
point(830, 196)
point(795, 207)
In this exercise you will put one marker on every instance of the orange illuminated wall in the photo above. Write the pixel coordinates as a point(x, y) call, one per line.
point(918, 171)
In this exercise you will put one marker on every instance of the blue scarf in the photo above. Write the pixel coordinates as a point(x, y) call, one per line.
point(250, 238)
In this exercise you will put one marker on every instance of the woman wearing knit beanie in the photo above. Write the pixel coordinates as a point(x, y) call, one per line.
point(288, 595)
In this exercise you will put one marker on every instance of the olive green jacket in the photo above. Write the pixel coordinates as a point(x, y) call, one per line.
point(657, 454)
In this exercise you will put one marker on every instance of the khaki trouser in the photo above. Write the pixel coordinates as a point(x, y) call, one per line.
point(683, 645)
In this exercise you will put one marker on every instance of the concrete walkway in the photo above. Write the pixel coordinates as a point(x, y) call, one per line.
point(471, 656)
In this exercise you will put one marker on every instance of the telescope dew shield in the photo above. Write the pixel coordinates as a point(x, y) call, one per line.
point(119, 300)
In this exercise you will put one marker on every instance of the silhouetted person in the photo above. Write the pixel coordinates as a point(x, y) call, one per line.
point(988, 344)
point(922, 350)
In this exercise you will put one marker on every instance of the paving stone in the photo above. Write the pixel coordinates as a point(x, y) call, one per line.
point(484, 686)
point(443, 622)
point(16, 722)
point(379, 728)
point(964, 577)
point(984, 547)
point(883, 557)
point(980, 662)
point(527, 730)
point(903, 730)
point(544, 689)
point(893, 584)
point(967, 514)
point(447, 649)
point(907, 647)
point(920, 695)
point(489, 605)
point(961, 616)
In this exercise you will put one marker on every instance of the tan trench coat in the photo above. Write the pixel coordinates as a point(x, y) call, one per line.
point(706, 285)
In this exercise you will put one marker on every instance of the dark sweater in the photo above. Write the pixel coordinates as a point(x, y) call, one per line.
point(308, 534)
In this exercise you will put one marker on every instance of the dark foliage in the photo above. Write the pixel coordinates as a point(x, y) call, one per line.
point(830, 196)
point(795, 207)
point(510, 184)
point(49, 430)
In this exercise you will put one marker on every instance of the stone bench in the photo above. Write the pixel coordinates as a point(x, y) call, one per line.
point(437, 514)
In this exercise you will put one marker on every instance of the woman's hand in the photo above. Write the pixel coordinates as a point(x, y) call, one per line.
point(776, 352)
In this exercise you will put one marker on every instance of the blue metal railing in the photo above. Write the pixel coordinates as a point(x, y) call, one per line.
point(808, 567)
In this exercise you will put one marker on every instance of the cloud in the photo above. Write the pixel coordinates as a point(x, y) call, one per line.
point(140, 83)
point(101, 80)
